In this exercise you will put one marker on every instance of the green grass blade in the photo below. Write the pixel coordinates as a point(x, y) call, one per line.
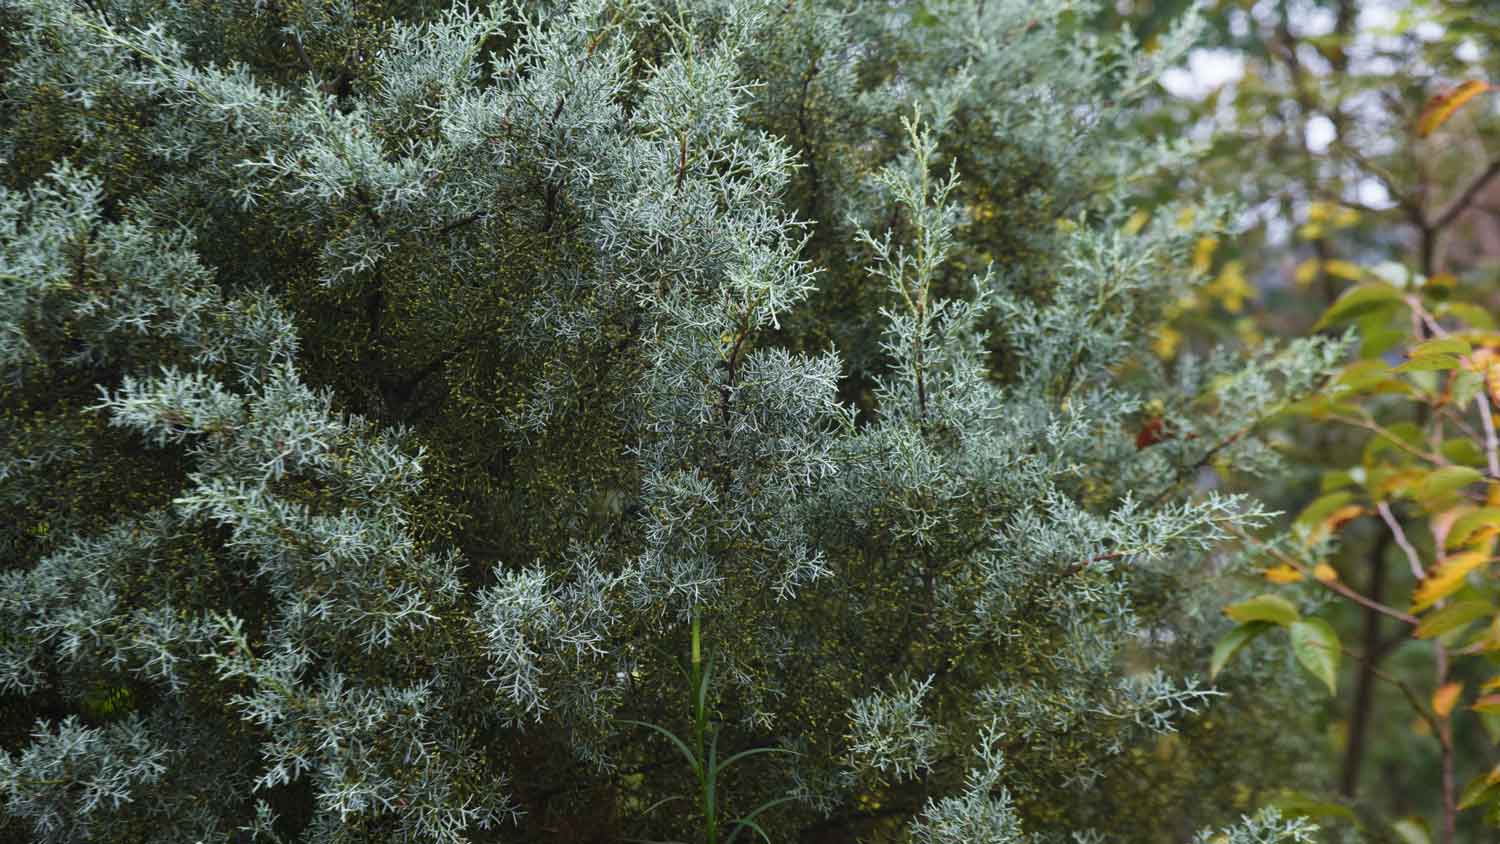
point(747, 824)
point(688, 754)
point(749, 820)
point(714, 771)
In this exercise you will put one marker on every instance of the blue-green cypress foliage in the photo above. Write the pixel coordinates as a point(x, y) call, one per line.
point(389, 388)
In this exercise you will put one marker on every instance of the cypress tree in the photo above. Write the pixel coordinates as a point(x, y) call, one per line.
point(575, 421)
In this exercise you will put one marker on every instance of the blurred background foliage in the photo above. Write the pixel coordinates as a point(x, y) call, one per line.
point(1363, 142)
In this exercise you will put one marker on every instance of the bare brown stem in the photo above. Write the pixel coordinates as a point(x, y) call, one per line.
point(1332, 585)
point(1412, 556)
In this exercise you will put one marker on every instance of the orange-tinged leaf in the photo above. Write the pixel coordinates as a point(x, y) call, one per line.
point(1445, 698)
point(1399, 482)
point(1325, 573)
point(1343, 515)
point(1282, 574)
point(1471, 526)
point(1488, 703)
point(1442, 106)
point(1446, 579)
point(1325, 515)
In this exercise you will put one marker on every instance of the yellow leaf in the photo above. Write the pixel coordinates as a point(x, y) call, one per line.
point(1442, 106)
point(1186, 216)
point(1446, 579)
point(1325, 573)
point(1306, 272)
point(1166, 342)
point(1246, 329)
point(1310, 231)
point(1445, 698)
point(1231, 288)
point(1347, 270)
point(1137, 221)
point(1203, 254)
point(1282, 574)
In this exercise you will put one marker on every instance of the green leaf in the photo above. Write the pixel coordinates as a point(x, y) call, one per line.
point(1363, 374)
point(1407, 432)
point(1449, 478)
point(1429, 363)
point(1473, 315)
point(1411, 831)
point(1375, 342)
point(1441, 346)
point(1336, 479)
point(1232, 642)
point(1316, 646)
point(1479, 790)
point(1357, 301)
point(1466, 386)
point(1462, 451)
point(1271, 608)
point(1302, 805)
point(1452, 617)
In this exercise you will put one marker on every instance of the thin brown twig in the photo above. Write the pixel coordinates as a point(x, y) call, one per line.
point(1407, 690)
point(1333, 585)
point(1465, 199)
point(1375, 428)
point(1444, 733)
point(1491, 444)
point(1400, 536)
